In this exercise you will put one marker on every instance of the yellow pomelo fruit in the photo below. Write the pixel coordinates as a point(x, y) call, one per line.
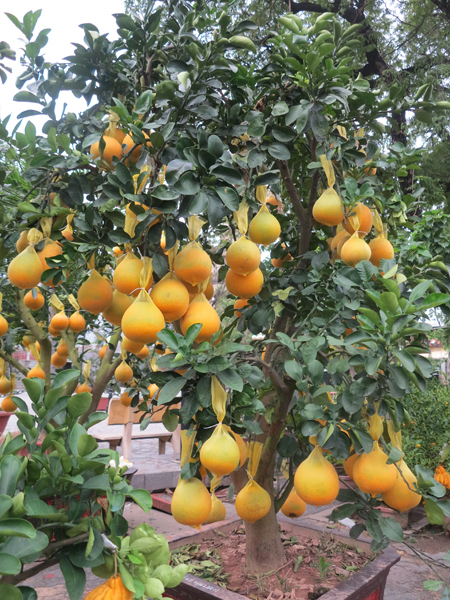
point(243, 256)
point(143, 352)
point(294, 506)
point(143, 321)
point(3, 325)
point(123, 373)
point(349, 462)
point(8, 405)
point(244, 286)
point(191, 502)
point(240, 303)
point(172, 299)
point(102, 351)
point(36, 371)
point(337, 238)
point(192, 264)
point(365, 217)
point(400, 497)
point(328, 208)
point(112, 148)
point(342, 243)
point(49, 250)
point(60, 322)
point(96, 294)
point(125, 399)
point(209, 292)
point(371, 473)
point(380, 248)
point(115, 311)
point(34, 303)
point(241, 445)
point(354, 251)
point(131, 346)
point(127, 275)
point(316, 480)
point(218, 510)
point(200, 311)
point(264, 228)
point(252, 502)
point(5, 385)
point(58, 361)
point(83, 388)
point(25, 270)
point(62, 348)
point(77, 322)
point(22, 242)
point(128, 142)
point(220, 453)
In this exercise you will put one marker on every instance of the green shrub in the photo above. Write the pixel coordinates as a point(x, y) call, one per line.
point(430, 425)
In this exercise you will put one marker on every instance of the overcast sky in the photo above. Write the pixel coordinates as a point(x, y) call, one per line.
point(63, 19)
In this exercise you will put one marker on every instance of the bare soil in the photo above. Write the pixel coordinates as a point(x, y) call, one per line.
point(312, 567)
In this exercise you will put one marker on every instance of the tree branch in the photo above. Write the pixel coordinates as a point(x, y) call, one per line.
point(13, 362)
point(290, 188)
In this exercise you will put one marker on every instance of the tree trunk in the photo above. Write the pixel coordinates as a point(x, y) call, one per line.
point(265, 550)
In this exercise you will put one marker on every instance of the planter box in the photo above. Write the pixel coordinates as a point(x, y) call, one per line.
point(4, 418)
point(366, 584)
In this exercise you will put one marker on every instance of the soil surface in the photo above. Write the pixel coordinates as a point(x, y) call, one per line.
point(312, 567)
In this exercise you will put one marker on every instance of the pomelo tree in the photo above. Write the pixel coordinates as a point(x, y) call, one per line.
point(196, 133)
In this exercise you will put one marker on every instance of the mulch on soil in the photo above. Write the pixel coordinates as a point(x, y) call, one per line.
point(312, 567)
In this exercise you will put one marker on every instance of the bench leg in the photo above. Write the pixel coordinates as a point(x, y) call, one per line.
point(113, 444)
point(176, 440)
point(161, 446)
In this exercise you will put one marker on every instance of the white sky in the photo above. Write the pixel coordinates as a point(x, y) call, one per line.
point(63, 19)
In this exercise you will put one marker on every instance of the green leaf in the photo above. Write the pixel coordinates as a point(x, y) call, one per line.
point(9, 565)
point(229, 197)
point(34, 387)
point(280, 108)
point(10, 467)
point(188, 184)
point(74, 577)
point(433, 585)
point(215, 146)
point(171, 390)
point(279, 151)
point(424, 365)
point(394, 456)
point(294, 370)
point(405, 359)
point(434, 513)
point(24, 548)
point(65, 377)
point(145, 100)
point(166, 336)
point(192, 333)
point(86, 444)
point(5, 504)
point(17, 527)
point(143, 498)
point(434, 300)
point(170, 420)
point(228, 174)
point(391, 528)
point(78, 404)
point(418, 292)
point(98, 482)
point(240, 41)
point(231, 379)
point(10, 592)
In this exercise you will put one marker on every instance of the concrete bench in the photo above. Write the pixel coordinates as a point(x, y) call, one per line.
point(123, 426)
